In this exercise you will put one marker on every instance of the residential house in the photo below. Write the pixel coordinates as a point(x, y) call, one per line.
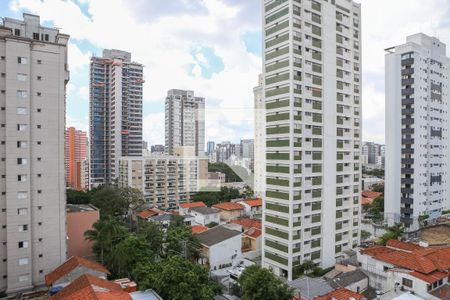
point(356, 281)
point(205, 215)
point(251, 240)
point(146, 214)
point(245, 224)
point(230, 211)
point(406, 266)
point(341, 294)
point(252, 207)
point(72, 269)
point(307, 288)
point(221, 247)
point(184, 208)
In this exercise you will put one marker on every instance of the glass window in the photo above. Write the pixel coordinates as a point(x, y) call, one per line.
point(22, 127)
point(21, 77)
point(22, 211)
point(22, 94)
point(21, 144)
point(23, 261)
point(22, 60)
point(22, 110)
point(22, 195)
point(23, 244)
point(23, 228)
point(23, 278)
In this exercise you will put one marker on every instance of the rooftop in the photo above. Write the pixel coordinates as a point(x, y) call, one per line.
point(253, 232)
point(340, 294)
point(248, 223)
point(229, 206)
point(308, 287)
point(216, 235)
point(89, 287)
point(147, 213)
point(198, 229)
point(443, 292)
point(347, 278)
point(192, 204)
point(145, 295)
point(204, 210)
point(371, 194)
point(253, 202)
point(80, 208)
point(162, 218)
point(69, 265)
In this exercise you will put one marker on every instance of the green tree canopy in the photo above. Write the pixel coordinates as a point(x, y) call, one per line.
point(231, 176)
point(176, 278)
point(180, 240)
point(153, 234)
point(224, 195)
point(392, 233)
point(260, 284)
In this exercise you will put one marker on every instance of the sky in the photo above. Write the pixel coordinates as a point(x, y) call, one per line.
point(213, 47)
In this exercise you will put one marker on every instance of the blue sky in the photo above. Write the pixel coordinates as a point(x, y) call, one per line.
point(214, 48)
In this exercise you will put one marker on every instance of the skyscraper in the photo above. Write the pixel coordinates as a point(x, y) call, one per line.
point(76, 143)
point(34, 74)
point(115, 113)
point(184, 121)
point(260, 140)
point(247, 146)
point(417, 110)
point(311, 89)
point(211, 147)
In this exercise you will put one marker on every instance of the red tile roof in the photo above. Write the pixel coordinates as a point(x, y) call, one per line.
point(399, 245)
point(366, 201)
point(248, 223)
point(198, 229)
point(371, 194)
point(430, 278)
point(443, 292)
point(253, 202)
point(253, 232)
point(412, 257)
point(69, 265)
point(149, 212)
point(229, 206)
point(340, 294)
point(89, 287)
point(192, 204)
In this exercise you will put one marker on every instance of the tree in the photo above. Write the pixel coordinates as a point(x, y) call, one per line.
point(248, 192)
point(176, 278)
point(153, 234)
point(109, 202)
point(78, 197)
point(392, 233)
point(180, 241)
point(379, 188)
point(105, 233)
point(260, 284)
point(224, 195)
point(303, 268)
point(365, 235)
point(231, 176)
point(127, 254)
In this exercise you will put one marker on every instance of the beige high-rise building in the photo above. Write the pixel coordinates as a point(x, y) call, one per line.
point(34, 74)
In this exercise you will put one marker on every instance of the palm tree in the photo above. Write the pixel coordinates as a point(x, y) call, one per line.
point(104, 233)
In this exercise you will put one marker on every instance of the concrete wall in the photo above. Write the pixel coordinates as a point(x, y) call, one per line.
point(77, 224)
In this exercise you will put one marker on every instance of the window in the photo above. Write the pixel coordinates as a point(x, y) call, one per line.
point(38, 94)
point(22, 60)
point(39, 61)
point(22, 178)
point(38, 110)
point(46, 37)
point(35, 36)
point(23, 244)
point(22, 228)
point(2, 57)
point(38, 126)
point(39, 191)
point(38, 142)
point(22, 211)
point(39, 78)
point(23, 278)
point(22, 195)
point(22, 94)
point(21, 144)
point(21, 110)
point(39, 175)
point(3, 75)
point(22, 127)
point(407, 282)
point(22, 161)
point(17, 32)
point(23, 261)
point(21, 76)
point(39, 159)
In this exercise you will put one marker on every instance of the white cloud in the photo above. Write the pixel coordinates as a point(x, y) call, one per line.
point(78, 123)
point(77, 59)
point(154, 128)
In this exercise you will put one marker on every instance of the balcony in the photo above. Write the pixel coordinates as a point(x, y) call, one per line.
point(407, 61)
point(407, 181)
point(407, 121)
point(408, 141)
point(408, 81)
point(408, 101)
point(407, 161)
point(406, 200)
point(407, 191)
point(407, 111)
point(407, 171)
point(407, 91)
point(408, 71)
point(405, 210)
point(408, 131)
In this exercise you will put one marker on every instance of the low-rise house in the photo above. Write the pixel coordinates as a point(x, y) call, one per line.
point(252, 207)
point(72, 269)
point(251, 240)
point(367, 197)
point(356, 281)
point(406, 266)
point(184, 208)
point(230, 211)
point(341, 294)
point(80, 218)
point(247, 223)
point(196, 229)
point(205, 215)
point(221, 247)
point(146, 214)
point(307, 288)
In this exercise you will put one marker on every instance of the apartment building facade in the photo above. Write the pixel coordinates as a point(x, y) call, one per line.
point(115, 113)
point(34, 74)
point(76, 154)
point(417, 95)
point(311, 89)
point(184, 121)
point(260, 140)
point(164, 180)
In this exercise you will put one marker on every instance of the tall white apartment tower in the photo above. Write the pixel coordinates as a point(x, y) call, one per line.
point(311, 89)
point(260, 140)
point(417, 99)
point(34, 74)
point(115, 112)
point(184, 121)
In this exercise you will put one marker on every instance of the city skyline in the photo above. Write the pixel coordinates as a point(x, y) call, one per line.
point(203, 59)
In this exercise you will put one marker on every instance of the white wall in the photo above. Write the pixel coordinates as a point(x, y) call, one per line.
point(223, 253)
